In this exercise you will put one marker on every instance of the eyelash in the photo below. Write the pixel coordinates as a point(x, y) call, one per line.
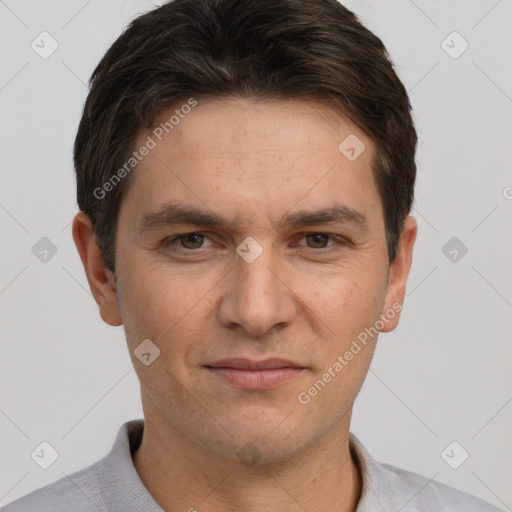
point(339, 241)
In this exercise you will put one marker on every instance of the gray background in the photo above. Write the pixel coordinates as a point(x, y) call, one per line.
point(444, 375)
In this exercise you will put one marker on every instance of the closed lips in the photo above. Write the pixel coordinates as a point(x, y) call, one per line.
point(248, 364)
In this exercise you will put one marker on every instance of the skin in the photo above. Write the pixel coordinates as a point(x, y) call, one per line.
point(251, 162)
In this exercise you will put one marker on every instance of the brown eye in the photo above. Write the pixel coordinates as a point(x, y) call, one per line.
point(318, 240)
point(192, 241)
point(188, 241)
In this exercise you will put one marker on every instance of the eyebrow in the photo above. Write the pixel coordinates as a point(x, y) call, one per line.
point(173, 214)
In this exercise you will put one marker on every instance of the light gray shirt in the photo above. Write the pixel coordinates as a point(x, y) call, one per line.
point(112, 484)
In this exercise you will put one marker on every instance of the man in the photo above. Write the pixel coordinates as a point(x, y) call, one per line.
point(245, 173)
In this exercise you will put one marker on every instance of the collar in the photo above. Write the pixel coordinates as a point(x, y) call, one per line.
point(119, 479)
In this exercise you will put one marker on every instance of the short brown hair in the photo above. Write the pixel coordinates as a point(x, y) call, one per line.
point(264, 49)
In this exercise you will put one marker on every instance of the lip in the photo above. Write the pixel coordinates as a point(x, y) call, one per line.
point(251, 374)
point(241, 363)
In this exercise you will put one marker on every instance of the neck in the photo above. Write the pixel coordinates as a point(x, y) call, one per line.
point(182, 475)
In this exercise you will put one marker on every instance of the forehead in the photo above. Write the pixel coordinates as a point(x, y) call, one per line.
point(237, 154)
point(230, 127)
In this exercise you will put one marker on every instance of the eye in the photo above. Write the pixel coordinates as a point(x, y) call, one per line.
point(195, 241)
point(188, 241)
point(319, 240)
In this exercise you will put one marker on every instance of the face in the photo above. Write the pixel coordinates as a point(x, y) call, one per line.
point(257, 316)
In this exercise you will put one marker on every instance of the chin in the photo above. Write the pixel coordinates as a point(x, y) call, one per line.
point(271, 438)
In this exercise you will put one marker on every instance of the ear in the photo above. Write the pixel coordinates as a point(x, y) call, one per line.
point(398, 274)
point(101, 280)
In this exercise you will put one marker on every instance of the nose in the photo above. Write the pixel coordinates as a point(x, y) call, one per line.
point(257, 296)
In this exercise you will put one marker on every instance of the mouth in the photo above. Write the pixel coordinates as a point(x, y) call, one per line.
point(251, 374)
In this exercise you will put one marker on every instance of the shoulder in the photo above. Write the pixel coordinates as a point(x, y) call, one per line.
point(420, 493)
point(111, 483)
point(78, 492)
point(387, 488)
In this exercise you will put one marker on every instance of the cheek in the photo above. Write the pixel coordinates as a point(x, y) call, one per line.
point(160, 304)
point(345, 303)
point(174, 306)
point(349, 308)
